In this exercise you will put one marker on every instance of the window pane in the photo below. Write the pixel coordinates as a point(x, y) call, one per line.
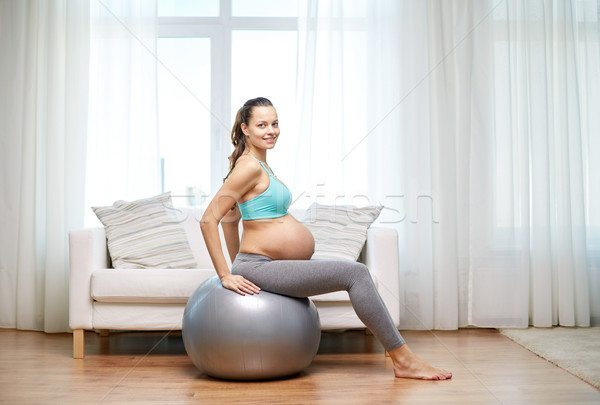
point(264, 65)
point(188, 8)
point(264, 8)
point(184, 119)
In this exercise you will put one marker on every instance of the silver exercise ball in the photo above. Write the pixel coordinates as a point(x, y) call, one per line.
point(250, 337)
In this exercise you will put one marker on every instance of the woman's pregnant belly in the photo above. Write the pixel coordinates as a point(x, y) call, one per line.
point(281, 238)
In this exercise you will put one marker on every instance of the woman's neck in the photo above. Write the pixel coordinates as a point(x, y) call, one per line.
point(258, 153)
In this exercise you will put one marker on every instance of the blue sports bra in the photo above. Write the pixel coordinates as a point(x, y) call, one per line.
point(271, 203)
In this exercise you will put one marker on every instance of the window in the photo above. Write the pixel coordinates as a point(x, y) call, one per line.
point(184, 117)
point(214, 56)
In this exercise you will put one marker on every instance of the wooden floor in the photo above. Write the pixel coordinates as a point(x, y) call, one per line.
point(350, 368)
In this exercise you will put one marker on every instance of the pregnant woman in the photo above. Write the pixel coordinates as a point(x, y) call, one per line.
point(275, 249)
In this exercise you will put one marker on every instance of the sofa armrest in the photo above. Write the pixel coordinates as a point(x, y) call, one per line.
point(87, 252)
point(381, 255)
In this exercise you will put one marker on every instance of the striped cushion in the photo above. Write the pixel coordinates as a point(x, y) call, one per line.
point(145, 234)
point(340, 231)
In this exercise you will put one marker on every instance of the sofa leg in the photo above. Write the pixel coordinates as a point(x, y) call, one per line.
point(78, 344)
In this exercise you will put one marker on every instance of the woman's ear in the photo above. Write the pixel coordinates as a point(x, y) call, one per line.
point(244, 128)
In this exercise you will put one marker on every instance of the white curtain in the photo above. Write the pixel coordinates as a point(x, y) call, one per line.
point(43, 119)
point(331, 90)
point(474, 122)
point(123, 158)
point(78, 119)
point(480, 133)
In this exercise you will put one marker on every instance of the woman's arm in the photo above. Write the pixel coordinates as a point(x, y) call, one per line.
point(230, 225)
point(241, 180)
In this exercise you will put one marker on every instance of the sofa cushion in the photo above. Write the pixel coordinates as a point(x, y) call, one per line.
point(172, 286)
point(340, 231)
point(145, 234)
point(169, 286)
point(191, 225)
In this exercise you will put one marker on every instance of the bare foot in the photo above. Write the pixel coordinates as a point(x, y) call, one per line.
point(409, 365)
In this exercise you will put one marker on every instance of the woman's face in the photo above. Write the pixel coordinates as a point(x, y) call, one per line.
point(262, 129)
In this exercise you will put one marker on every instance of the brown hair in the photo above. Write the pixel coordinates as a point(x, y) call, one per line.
point(238, 139)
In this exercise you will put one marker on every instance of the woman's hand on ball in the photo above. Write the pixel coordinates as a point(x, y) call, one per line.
point(239, 284)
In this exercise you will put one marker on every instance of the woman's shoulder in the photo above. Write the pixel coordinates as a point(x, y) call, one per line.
point(248, 162)
point(246, 166)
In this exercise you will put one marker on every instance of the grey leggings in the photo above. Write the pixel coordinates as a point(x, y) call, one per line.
point(304, 278)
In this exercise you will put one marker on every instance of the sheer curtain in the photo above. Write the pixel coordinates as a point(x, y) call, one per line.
point(43, 119)
point(123, 156)
point(331, 88)
point(480, 136)
point(474, 122)
point(78, 120)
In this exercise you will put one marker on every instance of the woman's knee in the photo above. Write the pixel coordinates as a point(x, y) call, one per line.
point(360, 270)
point(362, 267)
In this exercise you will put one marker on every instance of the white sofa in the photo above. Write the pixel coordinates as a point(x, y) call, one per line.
point(103, 298)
